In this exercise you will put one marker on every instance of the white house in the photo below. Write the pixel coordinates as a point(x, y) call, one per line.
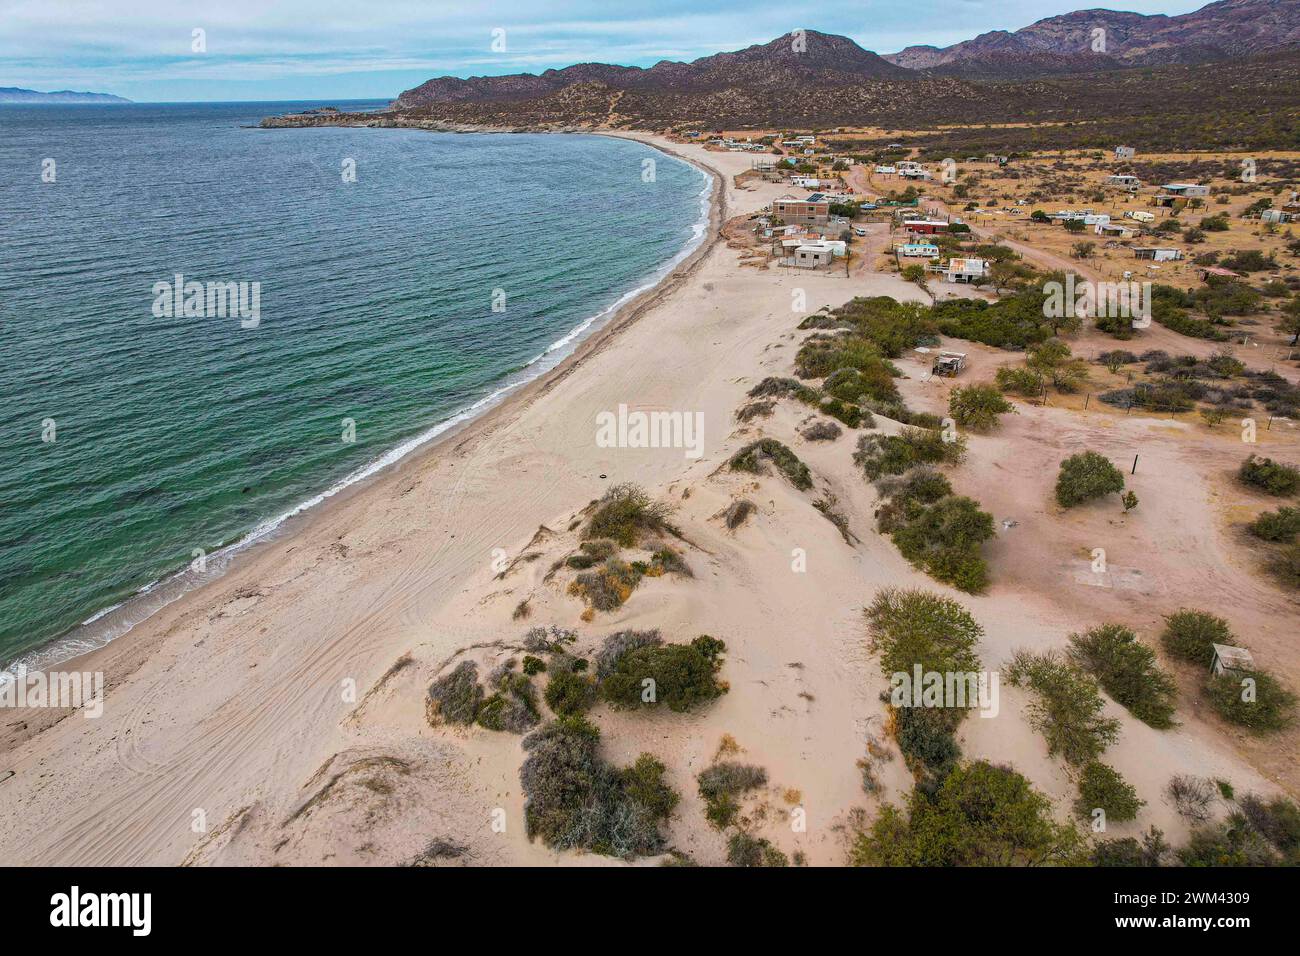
point(809, 256)
point(886, 170)
point(805, 182)
point(1127, 183)
point(966, 270)
point(1157, 254)
point(1125, 152)
point(1186, 190)
point(917, 250)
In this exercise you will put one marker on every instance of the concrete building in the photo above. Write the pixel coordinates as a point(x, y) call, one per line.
point(801, 211)
point(1125, 152)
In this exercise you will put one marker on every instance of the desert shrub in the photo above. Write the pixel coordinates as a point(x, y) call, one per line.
point(620, 643)
point(1127, 670)
point(679, 675)
point(1085, 476)
point(981, 815)
point(1231, 842)
point(607, 587)
point(943, 539)
point(644, 784)
point(1287, 566)
point(552, 639)
point(752, 457)
point(906, 494)
point(1014, 321)
point(821, 431)
point(880, 455)
point(1277, 820)
point(977, 406)
point(1265, 706)
point(1269, 476)
point(1066, 708)
point(455, 697)
point(513, 707)
point(822, 355)
point(1190, 636)
point(912, 626)
point(1019, 381)
point(533, 665)
point(738, 512)
point(1192, 797)
point(746, 850)
point(1280, 525)
point(754, 410)
point(664, 560)
point(573, 799)
point(592, 553)
point(721, 786)
point(1102, 788)
point(927, 739)
point(624, 513)
point(1152, 850)
point(569, 693)
point(776, 386)
point(849, 414)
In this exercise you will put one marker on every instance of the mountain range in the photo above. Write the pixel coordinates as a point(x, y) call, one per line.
point(13, 94)
point(1089, 40)
point(1225, 30)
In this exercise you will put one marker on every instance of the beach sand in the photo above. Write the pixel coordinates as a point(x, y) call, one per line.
point(277, 715)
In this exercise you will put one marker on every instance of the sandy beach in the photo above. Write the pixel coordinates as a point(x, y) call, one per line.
point(277, 714)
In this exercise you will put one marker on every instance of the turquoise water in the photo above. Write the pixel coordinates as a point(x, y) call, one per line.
point(172, 434)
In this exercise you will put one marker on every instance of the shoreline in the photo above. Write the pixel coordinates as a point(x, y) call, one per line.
point(585, 338)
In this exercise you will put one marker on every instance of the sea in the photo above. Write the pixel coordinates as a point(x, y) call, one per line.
point(207, 328)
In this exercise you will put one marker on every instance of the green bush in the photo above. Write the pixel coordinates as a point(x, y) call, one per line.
point(1266, 707)
point(1127, 851)
point(977, 406)
point(1127, 670)
point(880, 455)
point(721, 786)
point(746, 850)
point(609, 586)
point(981, 815)
point(1085, 476)
point(573, 799)
point(1230, 842)
point(1281, 525)
point(533, 665)
point(513, 707)
point(1287, 566)
point(624, 513)
point(1272, 477)
point(1066, 708)
point(944, 540)
point(751, 458)
point(1102, 788)
point(1190, 636)
point(455, 697)
point(912, 626)
point(619, 643)
point(569, 694)
point(678, 675)
point(1277, 820)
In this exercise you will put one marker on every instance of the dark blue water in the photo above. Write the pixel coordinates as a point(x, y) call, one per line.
point(181, 434)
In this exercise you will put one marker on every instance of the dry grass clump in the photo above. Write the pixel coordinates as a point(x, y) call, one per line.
point(738, 513)
point(1192, 796)
point(821, 431)
point(607, 587)
point(754, 410)
point(721, 786)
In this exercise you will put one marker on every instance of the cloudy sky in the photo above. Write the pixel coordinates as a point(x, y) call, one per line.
point(329, 49)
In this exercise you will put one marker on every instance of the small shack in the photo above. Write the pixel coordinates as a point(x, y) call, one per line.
point(949, 363)
point(1228, 658)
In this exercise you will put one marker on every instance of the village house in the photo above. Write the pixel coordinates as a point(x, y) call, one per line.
point(1127, 183)
point(925, 227)
point(963, 270)
point(1125, 152)
point(910, 170)
point(1157, 253)
point(805, 182)
point(801, 211)
point(1172, 192)
point(1113, 230)
point(886, 170)
point(809, 256)
point(1277, 216)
